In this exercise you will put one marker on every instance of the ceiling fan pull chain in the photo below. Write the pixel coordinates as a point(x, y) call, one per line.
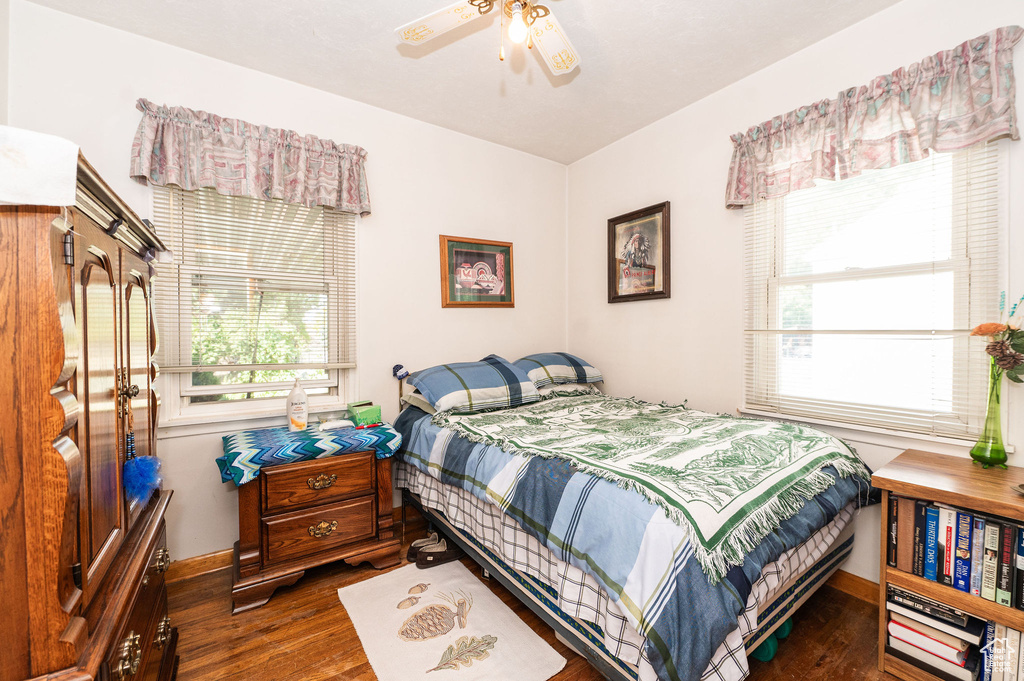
point(501, 36)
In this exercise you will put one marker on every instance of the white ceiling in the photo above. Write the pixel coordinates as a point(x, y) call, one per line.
point(640, 59)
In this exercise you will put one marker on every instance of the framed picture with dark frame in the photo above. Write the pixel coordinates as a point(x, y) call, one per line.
point(639, 267)
point(476, 273)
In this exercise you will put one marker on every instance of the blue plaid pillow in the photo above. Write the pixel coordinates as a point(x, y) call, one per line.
point(491, 383)
point(546, 368)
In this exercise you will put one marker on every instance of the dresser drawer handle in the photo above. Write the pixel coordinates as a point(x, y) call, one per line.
point(322, 528)
point(163, 632)
point(163, 560)
point(321, 481)
point(130, 656)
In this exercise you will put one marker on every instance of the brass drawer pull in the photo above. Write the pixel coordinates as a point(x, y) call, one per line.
point(163, 632)
point(130, 656)
point(321, 481)
point(163, 560)
point(322, 528)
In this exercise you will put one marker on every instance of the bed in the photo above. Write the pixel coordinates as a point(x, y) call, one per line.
point(619, 574)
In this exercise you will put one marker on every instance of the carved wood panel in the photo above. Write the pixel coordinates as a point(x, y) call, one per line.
point(102, 519)
point(136, 329)
point(136, 352)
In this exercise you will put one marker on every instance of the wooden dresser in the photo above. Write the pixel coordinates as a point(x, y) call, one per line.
point(82, 592)
point(296, 516)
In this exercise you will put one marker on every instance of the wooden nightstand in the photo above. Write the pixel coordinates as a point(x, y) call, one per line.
point(957, 482)
point(299, 515)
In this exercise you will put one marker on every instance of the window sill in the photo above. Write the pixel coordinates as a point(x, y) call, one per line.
point(207, 422)
point(884, 437)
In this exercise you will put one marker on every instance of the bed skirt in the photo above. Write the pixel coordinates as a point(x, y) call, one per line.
point(580, 611)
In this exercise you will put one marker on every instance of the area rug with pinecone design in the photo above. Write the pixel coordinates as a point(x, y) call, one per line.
point(446, 623)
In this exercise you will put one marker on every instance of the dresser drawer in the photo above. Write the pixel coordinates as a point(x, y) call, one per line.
point(303, 533)
point(153, 579)
point(309, 483)
point(132, 656)
point(163, 647)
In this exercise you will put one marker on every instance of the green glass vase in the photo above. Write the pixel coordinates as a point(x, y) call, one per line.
point(989, 451)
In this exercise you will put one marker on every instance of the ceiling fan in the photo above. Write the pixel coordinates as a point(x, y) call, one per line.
point(527, 22)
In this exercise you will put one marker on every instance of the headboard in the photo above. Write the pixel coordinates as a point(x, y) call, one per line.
point(400, 372)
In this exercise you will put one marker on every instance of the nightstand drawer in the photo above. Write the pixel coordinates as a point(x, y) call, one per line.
point(321, 481)
point(303, 533)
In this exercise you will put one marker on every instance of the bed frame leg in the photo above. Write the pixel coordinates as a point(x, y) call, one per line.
point(785, 628)
point(766, 651)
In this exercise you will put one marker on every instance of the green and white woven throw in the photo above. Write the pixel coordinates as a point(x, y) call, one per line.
point(727, 481)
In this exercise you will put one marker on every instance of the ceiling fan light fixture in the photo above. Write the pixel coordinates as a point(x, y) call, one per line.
point(517, 30)
point(528, 21)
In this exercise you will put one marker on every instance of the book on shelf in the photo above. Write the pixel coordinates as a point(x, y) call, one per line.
point(933, 663)
point(998, 649)
point(1020, 659)
point(990, 561)
point(1012, 653)
point(1018, 596)
point(890, 552)
point(962, 566)
point(1004, 573)
point(905, 535)
point(953, 640)
point(970, 632)
point(927, 605)
point(940, 648)
point(920, 533)
point(947, 541)
point(931, 543)
point(986, 651)
point(977, 552)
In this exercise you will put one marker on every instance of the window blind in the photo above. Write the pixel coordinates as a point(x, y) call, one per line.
point(260, 292)
point(860, 295)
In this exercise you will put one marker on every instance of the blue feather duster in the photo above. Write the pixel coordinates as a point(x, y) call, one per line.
point(141, 478)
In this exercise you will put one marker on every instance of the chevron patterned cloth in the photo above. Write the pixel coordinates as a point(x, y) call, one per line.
point(245, 453)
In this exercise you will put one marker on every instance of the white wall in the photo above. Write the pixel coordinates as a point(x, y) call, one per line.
point(5, 32)
point(80, 80)
point(691, 346)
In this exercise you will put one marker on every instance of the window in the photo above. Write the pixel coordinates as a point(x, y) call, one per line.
point(260, 293)
point(860, 295)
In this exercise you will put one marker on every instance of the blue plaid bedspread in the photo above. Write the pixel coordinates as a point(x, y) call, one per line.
point(640, 557)
point(245, 453)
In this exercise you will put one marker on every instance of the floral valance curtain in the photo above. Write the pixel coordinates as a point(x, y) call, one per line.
point(951, 100)
point(194, 149)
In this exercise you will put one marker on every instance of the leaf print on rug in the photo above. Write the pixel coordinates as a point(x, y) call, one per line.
point(464, 651)
point(436, 620)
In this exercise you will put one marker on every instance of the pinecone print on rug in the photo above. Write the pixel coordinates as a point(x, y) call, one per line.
point(436, 620)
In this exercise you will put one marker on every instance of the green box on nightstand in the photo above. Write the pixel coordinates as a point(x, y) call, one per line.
point(364, 413)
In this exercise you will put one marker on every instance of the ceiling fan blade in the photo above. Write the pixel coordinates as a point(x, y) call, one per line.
point(555, 49)
point(442, 21)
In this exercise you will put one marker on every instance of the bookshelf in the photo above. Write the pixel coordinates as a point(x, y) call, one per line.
point(958, 482)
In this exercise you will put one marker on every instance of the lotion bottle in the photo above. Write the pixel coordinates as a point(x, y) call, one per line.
point(298, 408)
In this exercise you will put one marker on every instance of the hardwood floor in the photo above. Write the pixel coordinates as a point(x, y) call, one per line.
point(303, 634)
point(835, 636)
